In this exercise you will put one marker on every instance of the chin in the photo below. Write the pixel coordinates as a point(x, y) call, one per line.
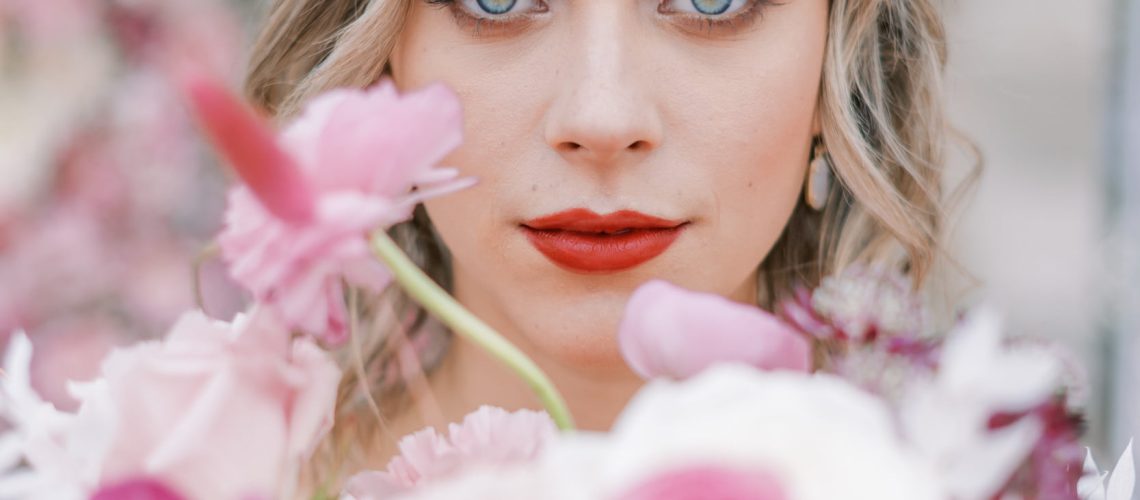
point(577, 331)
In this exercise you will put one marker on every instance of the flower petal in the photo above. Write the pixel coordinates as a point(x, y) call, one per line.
point(707, 482)
point(137, 489)
point(251, 149)
point(385, 143)
point(668, 331)
point(1123, 478)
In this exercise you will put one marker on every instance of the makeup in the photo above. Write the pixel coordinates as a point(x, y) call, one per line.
point(583, 241)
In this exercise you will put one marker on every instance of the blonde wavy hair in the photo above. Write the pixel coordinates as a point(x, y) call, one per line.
point(883, 123)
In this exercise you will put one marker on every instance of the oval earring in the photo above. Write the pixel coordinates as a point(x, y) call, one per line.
point(818, 184)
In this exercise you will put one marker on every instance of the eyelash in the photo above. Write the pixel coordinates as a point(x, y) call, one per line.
point(480, 26)
point(751, 13)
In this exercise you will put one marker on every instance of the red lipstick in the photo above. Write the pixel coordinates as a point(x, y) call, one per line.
point(581, 240)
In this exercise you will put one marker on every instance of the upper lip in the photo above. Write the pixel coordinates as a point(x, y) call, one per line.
point(583, 220)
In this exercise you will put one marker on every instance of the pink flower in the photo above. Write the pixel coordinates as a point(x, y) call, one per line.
point(70, 349)
point(249, 146)
point(297, 231)
point(488, 436)
point(216, 410)
point(136, 489)
point(860, 305)
point(54, 21)
point(671, 332)
point(707, 483)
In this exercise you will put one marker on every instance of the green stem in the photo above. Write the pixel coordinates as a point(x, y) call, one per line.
point(437, 301)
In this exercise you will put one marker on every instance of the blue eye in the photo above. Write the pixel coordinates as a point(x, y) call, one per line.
point(712, 7)
point(707, 8)
point(496, 6)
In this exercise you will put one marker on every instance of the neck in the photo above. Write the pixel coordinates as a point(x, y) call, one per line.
point(469, 378)
point(596, 390)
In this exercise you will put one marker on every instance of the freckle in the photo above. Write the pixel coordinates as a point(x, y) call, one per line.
point(749, 183)
point(534, 187)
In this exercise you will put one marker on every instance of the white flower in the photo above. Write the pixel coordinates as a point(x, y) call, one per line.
point(947, 416)
point(64, 450)
point(820, 436)
point(1119, 485)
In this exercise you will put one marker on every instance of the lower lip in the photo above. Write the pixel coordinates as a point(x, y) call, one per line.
point(602, 253)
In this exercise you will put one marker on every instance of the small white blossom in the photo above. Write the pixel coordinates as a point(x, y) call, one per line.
point(947, 415)
point(1097, 485)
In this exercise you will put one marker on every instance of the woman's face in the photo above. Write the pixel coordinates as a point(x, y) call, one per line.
point(685, 124)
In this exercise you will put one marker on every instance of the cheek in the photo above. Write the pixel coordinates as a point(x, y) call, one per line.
point(761, 173)
point(750, 129)
point(494, 120)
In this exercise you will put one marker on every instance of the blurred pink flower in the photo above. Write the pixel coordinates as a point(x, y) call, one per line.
point(671, 332)
point(354, 162)
point(974, 417)
point(217, 410)
point(52, 21)
point(70, 349)
point(56, 264)
point(488, 436)
point(167, 34)
point(707, 483)
point(136, 489)
point(862, 304)
point(376, 141)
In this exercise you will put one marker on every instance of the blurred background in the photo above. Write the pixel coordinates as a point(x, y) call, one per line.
point(1049, 91)
point(106, 196)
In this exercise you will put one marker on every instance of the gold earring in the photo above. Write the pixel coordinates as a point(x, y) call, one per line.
point(818, 184)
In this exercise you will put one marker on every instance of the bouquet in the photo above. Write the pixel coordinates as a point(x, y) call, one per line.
point(844, 392)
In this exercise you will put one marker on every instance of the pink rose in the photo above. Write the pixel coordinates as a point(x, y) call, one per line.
point(216, 410)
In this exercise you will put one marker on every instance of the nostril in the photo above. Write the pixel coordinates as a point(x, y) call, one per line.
point(638, 145)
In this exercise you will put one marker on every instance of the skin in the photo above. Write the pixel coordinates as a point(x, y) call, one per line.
point(608, 105)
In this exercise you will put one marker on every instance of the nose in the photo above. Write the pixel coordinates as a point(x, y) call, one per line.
point(603, 114)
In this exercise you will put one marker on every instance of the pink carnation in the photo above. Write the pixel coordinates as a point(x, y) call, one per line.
point(298, 229)
point(297, 269)
point(488, 436)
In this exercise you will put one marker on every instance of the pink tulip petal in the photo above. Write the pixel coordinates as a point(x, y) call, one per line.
point(251, 149)
point(671, 332)
point(707, 483)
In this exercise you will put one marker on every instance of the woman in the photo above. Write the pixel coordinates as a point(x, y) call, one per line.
point(739, 147)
